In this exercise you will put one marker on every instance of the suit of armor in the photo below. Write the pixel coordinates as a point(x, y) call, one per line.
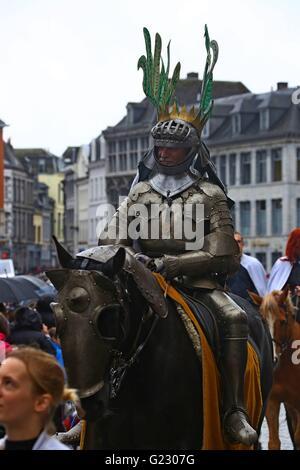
point(177, 179)
point(200, 270)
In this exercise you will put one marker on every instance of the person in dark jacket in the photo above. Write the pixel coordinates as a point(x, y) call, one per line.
point(27, 330)
point(44, 309)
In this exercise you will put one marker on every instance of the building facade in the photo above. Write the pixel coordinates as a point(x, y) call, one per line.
point(19, 211)
point(98, 211)
point(254, 141)
point(129, 140)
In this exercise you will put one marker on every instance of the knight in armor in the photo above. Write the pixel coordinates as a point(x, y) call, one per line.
point(177, 172)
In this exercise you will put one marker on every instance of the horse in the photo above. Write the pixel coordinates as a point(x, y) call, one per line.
point(278, 310)
point(128, 354)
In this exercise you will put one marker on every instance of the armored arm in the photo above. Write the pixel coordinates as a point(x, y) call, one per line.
point(116, 231)
point(219, 255)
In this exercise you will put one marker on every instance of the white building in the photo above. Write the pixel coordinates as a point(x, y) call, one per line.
point(97, 198)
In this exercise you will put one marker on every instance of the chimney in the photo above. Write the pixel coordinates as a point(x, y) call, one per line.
point(282, 85)
point(192, 76)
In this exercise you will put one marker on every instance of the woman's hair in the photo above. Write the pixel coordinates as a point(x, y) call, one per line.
point(293, 245)
point(4, 325)
point(45, 373)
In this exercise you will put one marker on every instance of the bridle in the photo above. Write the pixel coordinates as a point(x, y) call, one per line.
point(283, 345)
point(121, 362)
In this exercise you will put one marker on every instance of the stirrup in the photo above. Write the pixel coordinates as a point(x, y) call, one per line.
point(239, 432)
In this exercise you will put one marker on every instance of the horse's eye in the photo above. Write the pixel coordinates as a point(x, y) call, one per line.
point(78, 299)
point(109, 322)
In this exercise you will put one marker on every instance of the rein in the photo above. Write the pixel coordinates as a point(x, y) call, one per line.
point(283, 345)
point(120, 364)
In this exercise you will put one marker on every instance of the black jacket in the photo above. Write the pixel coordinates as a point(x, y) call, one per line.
point(27, 330)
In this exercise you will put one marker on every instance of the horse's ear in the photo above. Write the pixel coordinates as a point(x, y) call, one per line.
point(63, 256)
point(58, 277)
point(115, 263)
point(255, 298)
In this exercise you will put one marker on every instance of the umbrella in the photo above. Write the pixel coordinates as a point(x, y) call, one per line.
point(19, 288)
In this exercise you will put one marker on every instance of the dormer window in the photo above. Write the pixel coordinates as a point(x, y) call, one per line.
point(264, 119)
point(236, 123)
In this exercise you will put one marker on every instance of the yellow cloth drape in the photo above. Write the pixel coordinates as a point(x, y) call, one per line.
point(212, 430)
point(82, 434)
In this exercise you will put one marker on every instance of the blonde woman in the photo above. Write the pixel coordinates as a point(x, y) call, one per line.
point(31, 387)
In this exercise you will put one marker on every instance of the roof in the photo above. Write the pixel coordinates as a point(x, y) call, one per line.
point(284, 117)
point(70, 155)
point(33, 152)
point(2, 124)
point(10, 159)
point(187, 92)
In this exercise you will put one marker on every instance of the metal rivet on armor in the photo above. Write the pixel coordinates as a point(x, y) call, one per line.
point(65, 318)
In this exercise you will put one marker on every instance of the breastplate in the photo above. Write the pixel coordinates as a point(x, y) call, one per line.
point(167, 224)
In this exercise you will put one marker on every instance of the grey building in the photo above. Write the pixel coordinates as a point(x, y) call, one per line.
point(44, 226)
point(129, 140)
point(19, 211)
point(70, 177)
point(254, 140)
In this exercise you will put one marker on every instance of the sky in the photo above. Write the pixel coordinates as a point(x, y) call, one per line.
point(69, 67)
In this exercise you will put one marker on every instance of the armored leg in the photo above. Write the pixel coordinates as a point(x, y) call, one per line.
point(233, 331)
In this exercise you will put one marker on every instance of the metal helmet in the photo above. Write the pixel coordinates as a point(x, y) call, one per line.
point(175, 133)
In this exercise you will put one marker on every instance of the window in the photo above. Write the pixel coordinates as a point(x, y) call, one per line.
point(205, 131)
point(261, 166)
point(42, 165)
point(223, 169)
point(112, 163)
point(245, 217)
point(236, 124)
point(264, 119)
point(122, 155)
point(276, 216)
point(232, 169)
point(133, 156)
point(123, 162)
point(112, 158)
point(298, 212)
point(245, 168)
point(298, 164)
point(111, 148)
point(262, 257)
point(144, 146)
point(275, 255)
point(39, 238)
point(261, 218)
point(276, 164)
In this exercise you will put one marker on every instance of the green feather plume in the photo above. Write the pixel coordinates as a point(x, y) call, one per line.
point(156, 83)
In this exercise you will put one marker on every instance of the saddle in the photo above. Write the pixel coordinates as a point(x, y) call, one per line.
point(205, 318)
point(209, 325)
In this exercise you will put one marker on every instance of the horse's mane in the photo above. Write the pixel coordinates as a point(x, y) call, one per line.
point(270, 305)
